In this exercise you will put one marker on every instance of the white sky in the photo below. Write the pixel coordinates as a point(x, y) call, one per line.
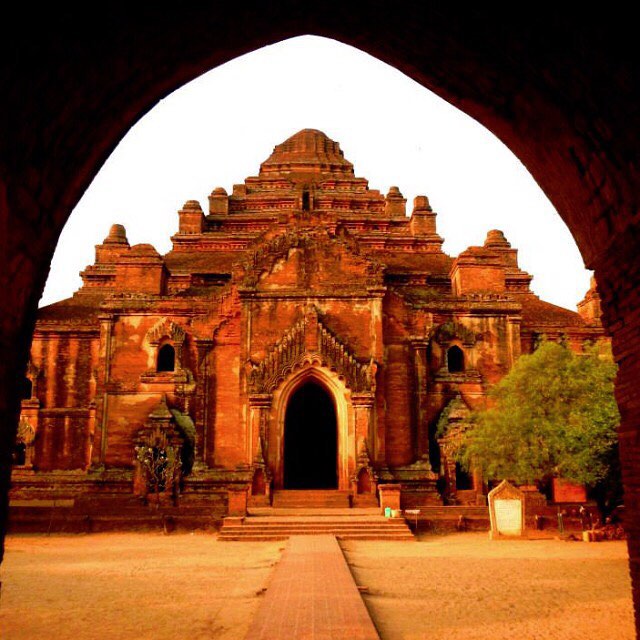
point(216, 130)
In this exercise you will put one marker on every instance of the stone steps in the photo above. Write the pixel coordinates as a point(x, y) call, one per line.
point(310, 499)
point(452, 511)
point(344, 528)
point(342, 536)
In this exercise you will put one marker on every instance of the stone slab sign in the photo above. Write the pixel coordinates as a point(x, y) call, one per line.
point(506, 510)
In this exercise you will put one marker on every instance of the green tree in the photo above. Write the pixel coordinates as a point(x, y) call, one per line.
point(554, 414)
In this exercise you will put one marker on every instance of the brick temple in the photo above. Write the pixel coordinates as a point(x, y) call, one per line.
point(304, 333)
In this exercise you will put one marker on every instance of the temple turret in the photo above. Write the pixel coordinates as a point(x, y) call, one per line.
point(589, 307)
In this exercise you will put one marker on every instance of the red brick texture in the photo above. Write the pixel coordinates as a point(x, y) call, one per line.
point(289, 282)
point(312, 595)
point(559, 87)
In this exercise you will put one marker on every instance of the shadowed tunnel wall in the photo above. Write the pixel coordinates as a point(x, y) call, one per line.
point(558, 86)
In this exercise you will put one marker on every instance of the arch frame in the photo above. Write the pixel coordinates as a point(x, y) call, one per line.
point(339, 394)
point(568, 109)
point(455, 358)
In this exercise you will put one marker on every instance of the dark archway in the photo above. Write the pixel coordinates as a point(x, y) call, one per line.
point(310, 439)
point(559, 87)
point(455, 359)
point(166, 358)
point(464, 480)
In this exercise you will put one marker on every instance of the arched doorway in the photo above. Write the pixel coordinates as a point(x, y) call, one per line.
point(310, 439)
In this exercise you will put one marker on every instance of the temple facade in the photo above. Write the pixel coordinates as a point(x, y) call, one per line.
point(304, 333)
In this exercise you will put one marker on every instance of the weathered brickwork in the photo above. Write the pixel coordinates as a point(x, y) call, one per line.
point(303, 275)
point(558, 86)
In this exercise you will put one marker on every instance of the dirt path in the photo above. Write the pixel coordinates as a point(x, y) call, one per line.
point(120, 586)
point(124, 585)
point(465, 586)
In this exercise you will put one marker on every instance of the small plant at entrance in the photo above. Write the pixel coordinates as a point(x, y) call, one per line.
point(553, 415)
point(162, 468)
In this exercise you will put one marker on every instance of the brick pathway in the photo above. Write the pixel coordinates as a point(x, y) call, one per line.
point(312, 596)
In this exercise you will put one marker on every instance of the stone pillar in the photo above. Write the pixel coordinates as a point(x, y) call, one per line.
point(259, 407)
point(91, 428)
point(513, 339)
point(203, 408)
point(419, 364)
point(66, 440)
point(50, 364)
point(363, 409)
point(237, 501)
point(70, 374)
point(106, 336)
point(377, 444)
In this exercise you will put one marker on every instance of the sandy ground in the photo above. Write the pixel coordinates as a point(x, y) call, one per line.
point(124, 585)
point(189, 586)
point(465, 586)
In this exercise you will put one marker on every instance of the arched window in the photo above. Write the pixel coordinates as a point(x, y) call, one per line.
point(455, 359)
point(166, 358)
point(27, 389)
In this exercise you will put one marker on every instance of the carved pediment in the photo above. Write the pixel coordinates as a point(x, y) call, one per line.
point(449, 331)
point(309, 341)
point(166, 329)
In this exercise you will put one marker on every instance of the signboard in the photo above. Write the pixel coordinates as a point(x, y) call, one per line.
point(506, 510)
point(508, 517)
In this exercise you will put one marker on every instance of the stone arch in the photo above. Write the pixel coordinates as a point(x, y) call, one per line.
point(341, 396)
point(566, 109)
point(167, 339)
point(166, 330)
point(452, 331)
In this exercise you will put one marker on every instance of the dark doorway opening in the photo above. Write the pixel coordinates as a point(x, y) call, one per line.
point(310, 440)
point(455, 359)
point(464, 481)
point(166, 358)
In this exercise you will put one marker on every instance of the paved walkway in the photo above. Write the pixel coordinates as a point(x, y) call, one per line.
point(312, 596)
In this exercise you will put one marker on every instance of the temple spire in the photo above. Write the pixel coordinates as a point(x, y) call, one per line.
point(305, 155)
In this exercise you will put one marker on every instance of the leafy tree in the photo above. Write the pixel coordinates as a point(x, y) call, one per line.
point(554, 414)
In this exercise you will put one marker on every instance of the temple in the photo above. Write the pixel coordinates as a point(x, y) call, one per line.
point(303, 334)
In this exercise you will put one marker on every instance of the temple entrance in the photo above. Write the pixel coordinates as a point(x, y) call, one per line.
point(310, 440)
